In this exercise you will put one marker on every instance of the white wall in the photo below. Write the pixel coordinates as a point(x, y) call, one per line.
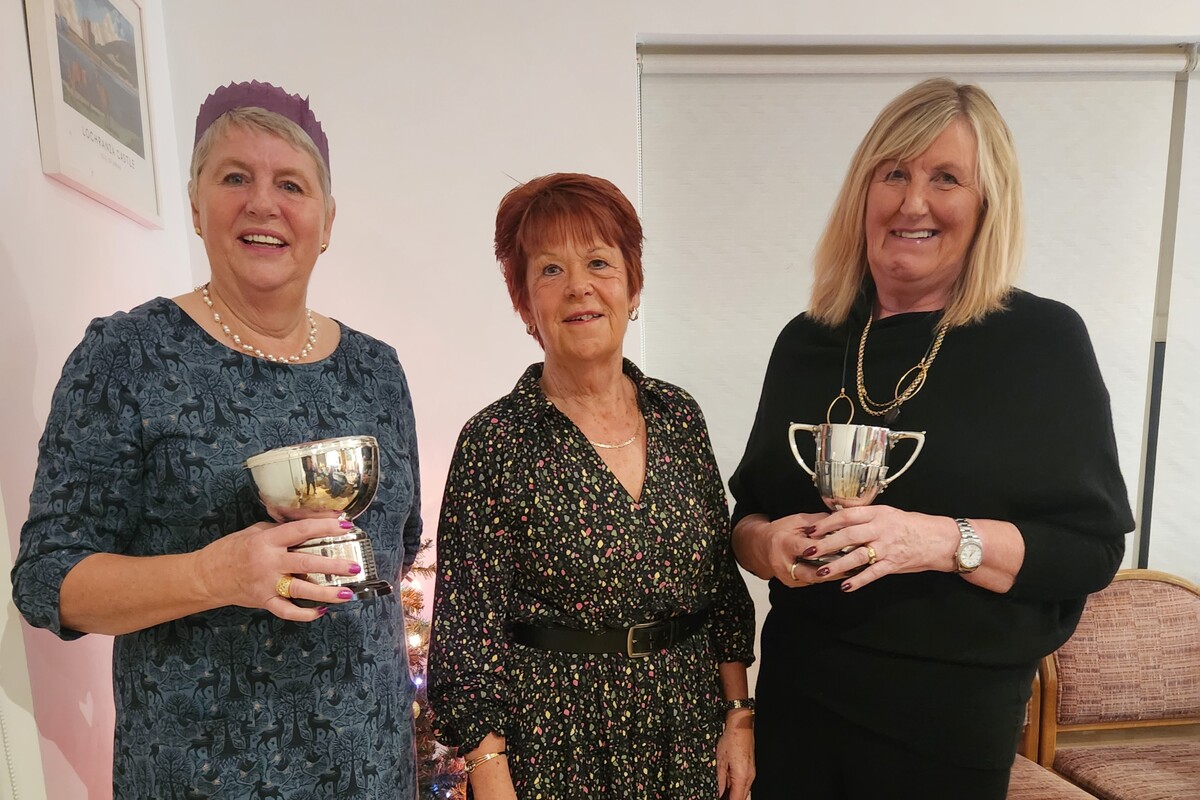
point(429, 107)
point(65, 259)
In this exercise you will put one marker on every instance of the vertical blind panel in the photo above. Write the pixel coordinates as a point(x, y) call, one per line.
point(1174, 525)
point(739, 172)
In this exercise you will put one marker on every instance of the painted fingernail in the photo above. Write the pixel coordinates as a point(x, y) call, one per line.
point(808, 529)
point(846, 586)
point(321, 611)
point(345, 594)
point(346, 524)
point(823, 572)
point(810, 552)
point(355, 569)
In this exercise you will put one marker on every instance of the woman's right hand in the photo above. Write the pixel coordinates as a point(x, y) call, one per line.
point(772, 548)
point(244, 567)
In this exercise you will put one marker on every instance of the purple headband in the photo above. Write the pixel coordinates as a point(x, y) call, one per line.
point(269, 98)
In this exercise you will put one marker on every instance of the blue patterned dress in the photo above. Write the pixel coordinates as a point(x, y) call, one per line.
point(536, 529)
point(142, 455)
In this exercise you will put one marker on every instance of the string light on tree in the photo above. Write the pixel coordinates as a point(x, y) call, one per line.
point(440, 773)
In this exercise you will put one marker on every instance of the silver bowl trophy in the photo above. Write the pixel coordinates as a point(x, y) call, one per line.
point(850, 468)
point(326, 478)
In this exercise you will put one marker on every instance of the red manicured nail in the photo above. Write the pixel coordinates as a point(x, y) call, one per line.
point(345, 594)
point(346, 524)
point(823, 572)
point(808, 529)
point(355, 569)
point(846, 587)
point(321, 611)
point(810, 552)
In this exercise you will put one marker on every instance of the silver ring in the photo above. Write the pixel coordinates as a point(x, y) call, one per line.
point(870, 554)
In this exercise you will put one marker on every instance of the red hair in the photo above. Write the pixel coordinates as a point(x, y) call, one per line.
point(564, 207)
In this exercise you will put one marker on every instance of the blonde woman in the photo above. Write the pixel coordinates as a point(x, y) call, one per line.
point(901, 669)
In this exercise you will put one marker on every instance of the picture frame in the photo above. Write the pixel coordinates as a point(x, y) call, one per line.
point(88, 59)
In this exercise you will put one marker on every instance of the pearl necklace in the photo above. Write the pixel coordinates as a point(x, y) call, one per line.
point(249, 348)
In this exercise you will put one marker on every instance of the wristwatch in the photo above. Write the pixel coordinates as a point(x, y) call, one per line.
point(745, 702)
point(969, 555)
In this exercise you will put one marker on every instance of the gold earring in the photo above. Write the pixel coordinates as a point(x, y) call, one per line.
point(324, 246)
point(197, 230)
point(634, 314)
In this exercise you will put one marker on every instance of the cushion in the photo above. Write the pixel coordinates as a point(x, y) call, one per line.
point(1164, 770)
point(1030, 781)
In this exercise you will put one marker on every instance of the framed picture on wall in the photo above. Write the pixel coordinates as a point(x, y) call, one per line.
point(88, 59)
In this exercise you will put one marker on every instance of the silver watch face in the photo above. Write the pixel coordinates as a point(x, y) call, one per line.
point(970, 555)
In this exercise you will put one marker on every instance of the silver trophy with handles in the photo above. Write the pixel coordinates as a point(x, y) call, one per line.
point(325, 478)
point(851, 464)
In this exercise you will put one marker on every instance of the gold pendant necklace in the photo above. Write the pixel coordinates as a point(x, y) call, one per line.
point(900, 395)
point(906, 388)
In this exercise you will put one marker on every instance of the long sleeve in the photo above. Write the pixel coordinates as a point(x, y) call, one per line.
point(732, 610)
point(1075, 511)
point(468, 644)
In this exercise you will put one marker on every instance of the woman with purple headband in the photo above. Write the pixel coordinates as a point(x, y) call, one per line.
point(144, 525)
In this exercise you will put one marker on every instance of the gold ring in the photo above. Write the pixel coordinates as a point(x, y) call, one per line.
point(870, 554)
point(283, 586)
point(792, 569)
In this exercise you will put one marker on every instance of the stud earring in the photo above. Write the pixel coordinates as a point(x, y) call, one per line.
point(324, 246)
point(633, 315)
point(197, 230)
point(530, 328)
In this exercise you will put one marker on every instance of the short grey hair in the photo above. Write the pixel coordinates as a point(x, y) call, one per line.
point(268, 122)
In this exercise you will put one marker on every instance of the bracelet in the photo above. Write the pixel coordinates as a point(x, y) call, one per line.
point(745, 702)
point(477, 761)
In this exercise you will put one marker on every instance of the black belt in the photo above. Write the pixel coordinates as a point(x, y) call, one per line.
point(637, 641)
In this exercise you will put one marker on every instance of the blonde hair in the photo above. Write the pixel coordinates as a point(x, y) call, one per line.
point(905, 128)
point(254, 118)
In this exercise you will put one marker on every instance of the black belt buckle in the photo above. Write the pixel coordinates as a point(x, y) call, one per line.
point(632, 635)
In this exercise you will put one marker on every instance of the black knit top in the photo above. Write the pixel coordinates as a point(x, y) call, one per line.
point(1018, 428)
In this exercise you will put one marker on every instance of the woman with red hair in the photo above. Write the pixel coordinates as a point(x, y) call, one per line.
point(591, 630)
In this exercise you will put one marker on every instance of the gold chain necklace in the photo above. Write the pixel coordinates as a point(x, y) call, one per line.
point(900, 395)
point(619, 445)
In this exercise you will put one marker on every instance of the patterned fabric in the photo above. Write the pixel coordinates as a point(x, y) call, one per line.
point(1134, 656)
point(1029, 781)
point(142, 455)
point(1149, 771)
point(535, 528)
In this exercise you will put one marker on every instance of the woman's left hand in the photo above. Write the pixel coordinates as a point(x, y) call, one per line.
point(884, 540)
point(735, 755)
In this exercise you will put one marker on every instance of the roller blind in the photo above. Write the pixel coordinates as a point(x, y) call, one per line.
point(742, 155)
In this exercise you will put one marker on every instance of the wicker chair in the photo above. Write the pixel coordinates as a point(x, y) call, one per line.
point(1120, 712)
point(1030, 781)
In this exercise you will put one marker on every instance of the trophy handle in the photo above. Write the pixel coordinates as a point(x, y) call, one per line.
point(800, 426)
point(895, 436)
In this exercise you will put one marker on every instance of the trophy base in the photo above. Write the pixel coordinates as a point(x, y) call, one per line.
point(829, 558)
point(821, 560)
point(366, 590)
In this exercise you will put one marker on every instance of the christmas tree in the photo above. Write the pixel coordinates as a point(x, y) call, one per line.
point(439, 772)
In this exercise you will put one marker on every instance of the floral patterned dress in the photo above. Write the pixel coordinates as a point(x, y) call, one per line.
point(142, 455)
point(535, 529)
